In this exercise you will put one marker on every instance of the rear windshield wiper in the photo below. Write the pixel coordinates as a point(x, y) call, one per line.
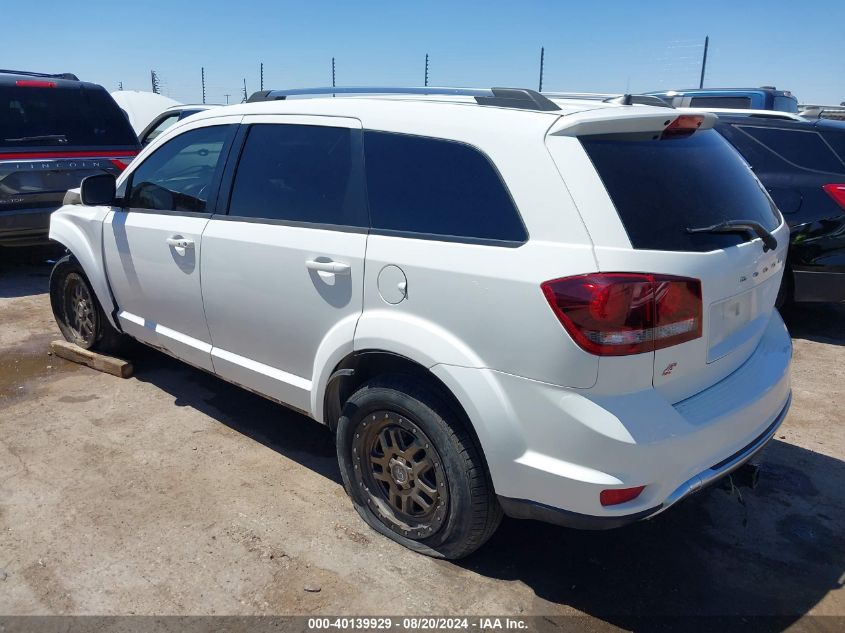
point(748, 227)
point(61, 139)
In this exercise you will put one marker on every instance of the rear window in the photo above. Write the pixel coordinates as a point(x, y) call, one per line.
point(720, 102)
point(437, 189)
point(662, 187)
point(803, 148)
point(61, 117)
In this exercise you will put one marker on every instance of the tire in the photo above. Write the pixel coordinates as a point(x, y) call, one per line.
point(785, 291)
point(400, 446)
point(78, 313)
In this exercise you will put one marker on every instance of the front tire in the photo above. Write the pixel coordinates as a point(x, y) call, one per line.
point(413, 471)
point(78, 313)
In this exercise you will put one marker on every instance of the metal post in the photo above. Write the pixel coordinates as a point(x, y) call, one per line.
point(154, 80)
point(120, 85)
point(227, 95)
point(426, 69)
point(202, 69)
point(704, 61)
point(245, 95)
point(262, 76)
point(542, 59)
point(333, 83)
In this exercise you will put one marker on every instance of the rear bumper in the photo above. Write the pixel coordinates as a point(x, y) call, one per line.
point(551, 451)
point(25, 227)
point(818, 286)
point(523, 509)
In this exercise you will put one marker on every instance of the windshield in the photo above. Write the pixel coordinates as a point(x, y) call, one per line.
point(661, 187)
point(61, 117)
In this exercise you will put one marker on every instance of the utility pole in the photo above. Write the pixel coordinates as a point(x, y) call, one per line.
point(155, 82)
point(120, 85)
point(202, 70)
point(227, 95)
point(245, 95)
point(542, 59)
point(704, 61)
point(262, 76)
point(426, 69)
point(333, 75)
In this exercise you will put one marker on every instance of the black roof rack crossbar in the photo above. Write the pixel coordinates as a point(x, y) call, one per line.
point(502, 97)
point(28, 73)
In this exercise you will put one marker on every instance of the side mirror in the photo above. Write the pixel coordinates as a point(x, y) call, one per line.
point(98, 190)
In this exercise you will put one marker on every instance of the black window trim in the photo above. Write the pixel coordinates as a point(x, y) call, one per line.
point(740, 128)
point(213, 197)
point(437, 237)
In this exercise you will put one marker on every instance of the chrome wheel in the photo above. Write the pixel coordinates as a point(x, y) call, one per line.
point(80, 312)
point(401, 474)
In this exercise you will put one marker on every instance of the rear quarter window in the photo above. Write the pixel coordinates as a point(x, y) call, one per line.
point(720, 102)
point(437, 189)
point(662, 187)
point(803, 148)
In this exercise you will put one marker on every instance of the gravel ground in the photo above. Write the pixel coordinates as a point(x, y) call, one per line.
point(175, 493)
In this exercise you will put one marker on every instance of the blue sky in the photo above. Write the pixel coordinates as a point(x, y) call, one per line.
point(604, 46)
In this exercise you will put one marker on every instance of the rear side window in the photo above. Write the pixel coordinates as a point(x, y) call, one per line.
point(662, 187)
point(804, 148)
point(437, 189)
point(61, 117)
point(720, 102)
point(298, 173)
point(179, 175)
point(785, 104)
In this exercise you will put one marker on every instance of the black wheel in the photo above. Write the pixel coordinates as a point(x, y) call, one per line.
point(77, 311)
point(413, 471)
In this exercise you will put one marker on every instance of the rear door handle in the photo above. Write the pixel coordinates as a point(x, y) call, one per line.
point(338, 268)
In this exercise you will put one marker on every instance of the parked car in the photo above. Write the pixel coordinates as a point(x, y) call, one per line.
point(167, 118)
point(54, 131)
point(142, 106)
point(497, 304)
point(765, 98)
point(802, 165)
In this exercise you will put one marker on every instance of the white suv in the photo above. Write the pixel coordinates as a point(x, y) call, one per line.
point(559, 311)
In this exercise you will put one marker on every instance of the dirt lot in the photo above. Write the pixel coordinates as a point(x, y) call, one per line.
point(176, 493)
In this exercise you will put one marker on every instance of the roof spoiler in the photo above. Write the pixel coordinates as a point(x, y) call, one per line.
point(521, 98)
point(634, 121)
point(69, 76)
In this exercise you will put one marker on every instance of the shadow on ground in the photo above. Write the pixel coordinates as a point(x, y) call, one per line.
point(820, 322)
point(24, 272)
point(776, 552)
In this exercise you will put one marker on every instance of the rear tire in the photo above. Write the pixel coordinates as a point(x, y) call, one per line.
point(78, 313)
point(413, 471)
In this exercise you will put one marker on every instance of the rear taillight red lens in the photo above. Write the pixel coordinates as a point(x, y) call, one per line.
point(837, 192)
point(34, 83)
point(615, 496)
point(614, 314)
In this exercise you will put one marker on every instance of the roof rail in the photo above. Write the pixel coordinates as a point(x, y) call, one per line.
point(28, 73)
point(521, 98)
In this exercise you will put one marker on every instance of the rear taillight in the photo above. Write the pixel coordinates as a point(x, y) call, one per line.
point(614, 314)
point(120, 164)
point(34, 83)
point(837, 192)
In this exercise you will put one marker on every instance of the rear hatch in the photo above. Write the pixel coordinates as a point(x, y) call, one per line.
point(54, 133)
point(662, 179)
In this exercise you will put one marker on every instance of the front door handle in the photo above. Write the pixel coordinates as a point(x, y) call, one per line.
point(180, 244)
point(337, 268)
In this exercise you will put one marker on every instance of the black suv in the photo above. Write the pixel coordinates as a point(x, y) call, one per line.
point(802, 165)
point(54, 131)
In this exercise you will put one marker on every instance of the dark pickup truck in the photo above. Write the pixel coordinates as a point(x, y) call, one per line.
point(54, 131)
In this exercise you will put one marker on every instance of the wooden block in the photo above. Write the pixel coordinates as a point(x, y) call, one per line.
point(108, 364)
